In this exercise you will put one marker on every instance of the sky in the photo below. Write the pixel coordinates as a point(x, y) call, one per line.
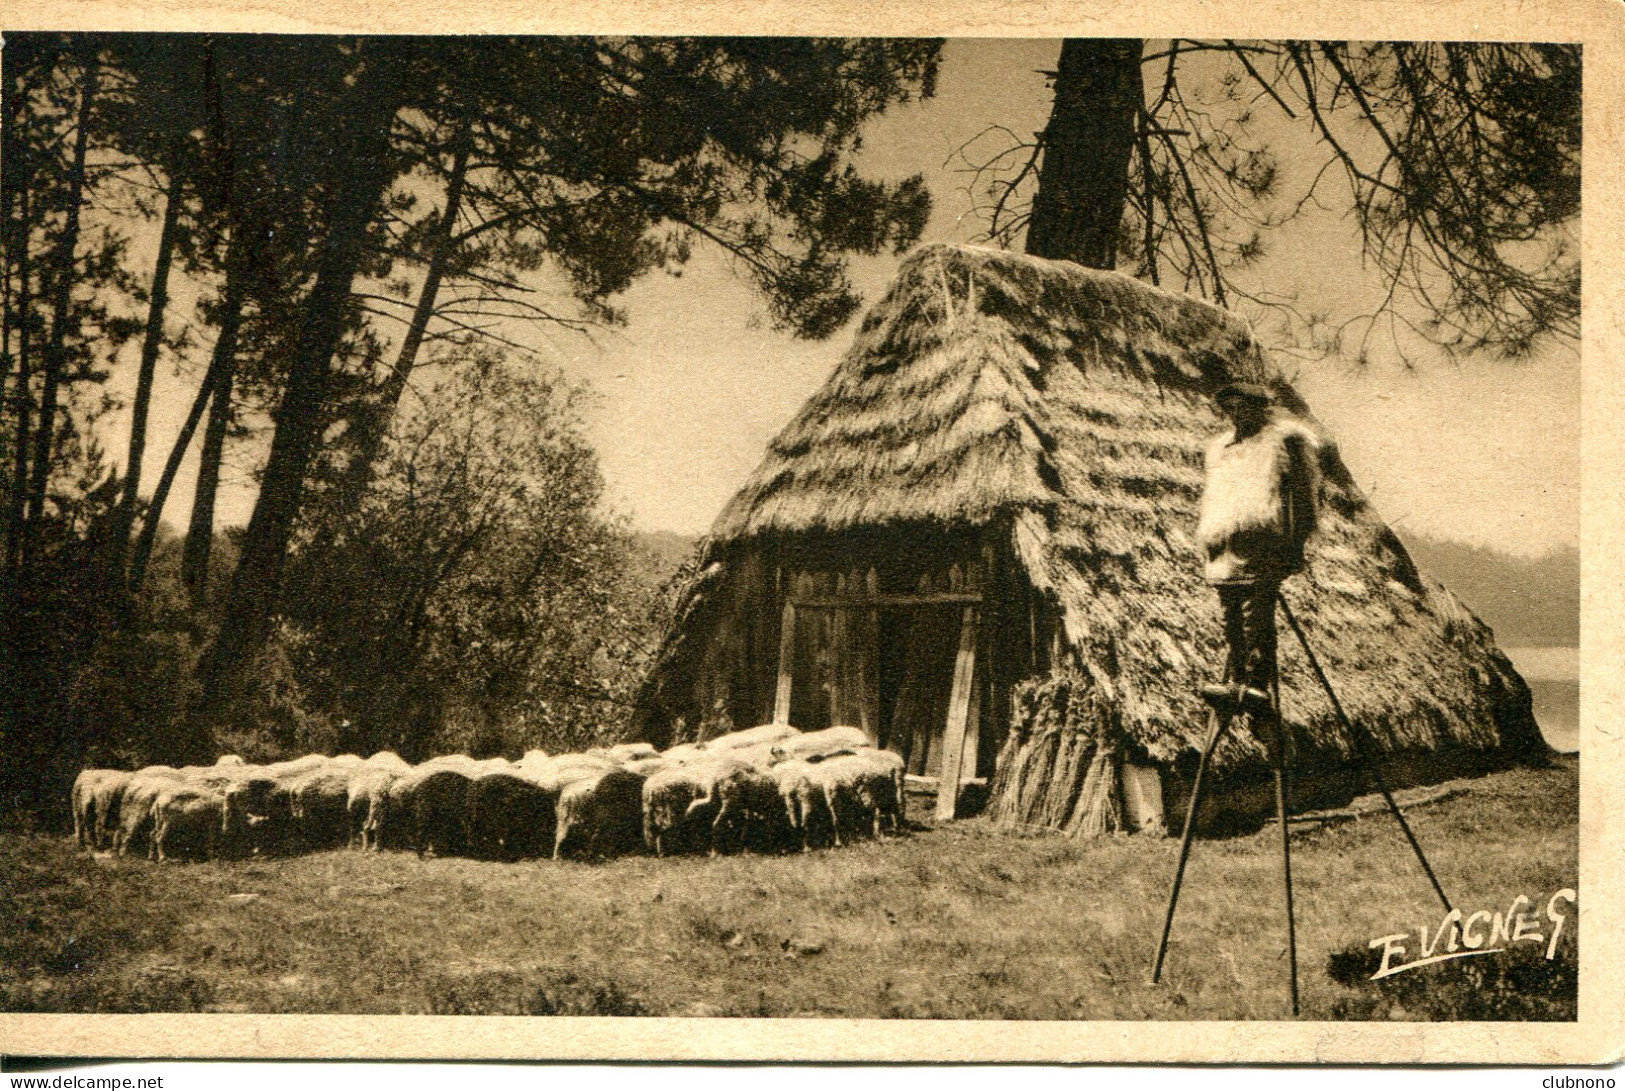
point(686, 396)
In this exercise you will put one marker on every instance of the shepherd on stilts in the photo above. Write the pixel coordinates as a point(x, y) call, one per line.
point(1258, 510)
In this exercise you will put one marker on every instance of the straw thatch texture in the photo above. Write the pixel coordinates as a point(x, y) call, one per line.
point(1059, 769)
point(1064, 410)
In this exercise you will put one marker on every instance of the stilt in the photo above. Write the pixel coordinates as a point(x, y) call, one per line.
point(1361, 754)
point(1280, 763)
point(1281, 775)
point(1217, 723)
point(1278, 760)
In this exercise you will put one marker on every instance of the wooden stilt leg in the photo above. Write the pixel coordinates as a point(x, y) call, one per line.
point(1361, 754)
point(1216, 725)
point(1280, 763)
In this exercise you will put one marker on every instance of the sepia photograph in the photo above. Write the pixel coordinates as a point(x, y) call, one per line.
point(735, 530)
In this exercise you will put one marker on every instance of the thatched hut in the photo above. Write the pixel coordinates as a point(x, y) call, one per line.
point(975, 543)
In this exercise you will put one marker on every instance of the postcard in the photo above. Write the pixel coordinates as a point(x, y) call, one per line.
point(778, 533)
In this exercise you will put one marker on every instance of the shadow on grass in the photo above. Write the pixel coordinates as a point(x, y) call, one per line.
point(156, 989)
point(502, 991)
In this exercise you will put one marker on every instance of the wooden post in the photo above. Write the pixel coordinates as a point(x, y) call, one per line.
point(959, 718)
point(973, 722)
point(868, 650)
point(839, 649)
point(1032, 630)
point(787, 663)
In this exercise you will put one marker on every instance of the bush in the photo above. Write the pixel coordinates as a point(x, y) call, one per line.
point(469, 600)
point(1516, 985)
point(132, 699)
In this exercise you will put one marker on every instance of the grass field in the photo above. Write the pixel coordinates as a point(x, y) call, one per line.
point(960, 921)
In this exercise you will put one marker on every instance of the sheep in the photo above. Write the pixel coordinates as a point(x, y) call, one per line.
point(509, 817)
point(748, 801)
point(229, 759)
point(439, 809)
point(256, 813)
point(280, 770)
point(395, 821)
point(760, 756)
point(645, 767)
point(621, 753)
point(553, 773)
point(95, 799)
point(446, 761)
point(186, 816)
point(534, 763)
point(365, 803)
point(888, 784)
point(685, 753)
point(140, 792)
point(487, 766)
point(105, 799)
point(676, 797)
point(829, 741)
point(798, 794)
point(318, 802)
point(211, 776)
point(79, 798)
point(600, 812)
point(865, 779)
point(752, 736)
point(390, 761)
point(532, 759)
point(868, 779)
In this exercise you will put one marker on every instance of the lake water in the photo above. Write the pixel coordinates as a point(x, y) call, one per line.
point(1546, 664)
point(1553, 675)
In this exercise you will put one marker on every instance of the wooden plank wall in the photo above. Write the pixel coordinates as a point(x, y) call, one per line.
point(834, 655)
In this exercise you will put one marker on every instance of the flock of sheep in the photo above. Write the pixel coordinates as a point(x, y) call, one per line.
point(765, 787)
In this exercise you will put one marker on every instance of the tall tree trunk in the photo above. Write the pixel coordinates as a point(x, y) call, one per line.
point(14, 181)
point(375, 422)
point(157, 303)
point(368, 170)
point(61, 303)
point(23, 309)
point(200, 531)
point(222, 363)
point(7, 318)
point(1083, 183)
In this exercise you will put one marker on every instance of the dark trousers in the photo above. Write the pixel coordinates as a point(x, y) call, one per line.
point(1249, 632)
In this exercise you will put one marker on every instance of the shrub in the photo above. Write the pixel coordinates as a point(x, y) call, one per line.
point(1518, 985)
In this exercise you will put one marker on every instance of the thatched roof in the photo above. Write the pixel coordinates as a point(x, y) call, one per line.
point(1068, 408)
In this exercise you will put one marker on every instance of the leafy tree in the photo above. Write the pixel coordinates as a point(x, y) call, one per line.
point(617, 156)
point(364, 97)
point(1459, 160)
point(65, 281)
point(151, 107)
point(295, 178)
point(467, 604)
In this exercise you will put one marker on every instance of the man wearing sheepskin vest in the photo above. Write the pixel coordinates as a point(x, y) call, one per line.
point(1258, 509)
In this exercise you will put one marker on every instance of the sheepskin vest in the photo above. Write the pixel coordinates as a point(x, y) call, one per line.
point(1258, 503)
